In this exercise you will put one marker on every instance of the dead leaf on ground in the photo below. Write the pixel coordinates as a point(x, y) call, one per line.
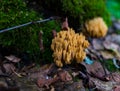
point(107, 54)
point(9, 67)
point(116, 88)
point(42, 72)
point(64, 76)
point(113, 38)
point(13, 58)
point(96, 70)
point(102, 85)
point(110, 45)
point(46, 82)
point(61, 75)
point(73, 86)
point(115, 77)
point(110, 54)
point(97, 44)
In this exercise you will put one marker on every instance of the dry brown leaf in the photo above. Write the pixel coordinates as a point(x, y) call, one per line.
point(42, 72)
point(61, 75)
point(96, 70)
point(13, 58)
point(107, 54)
point(115, 77)
point(102, 85)
point(9, 67)
point(110, 54)
point(110, 45)
point(97, 44)
point(46, 82)
point(117, 88)
point(113, 38)
point(64, 76)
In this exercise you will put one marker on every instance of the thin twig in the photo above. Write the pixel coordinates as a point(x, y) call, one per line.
point(22, 25)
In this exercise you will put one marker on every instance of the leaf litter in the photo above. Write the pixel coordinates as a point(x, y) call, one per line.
point(92, 74)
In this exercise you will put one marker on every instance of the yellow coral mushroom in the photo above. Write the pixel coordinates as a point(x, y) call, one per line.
point(67, 46)
point(59, 63)
point(95, 27)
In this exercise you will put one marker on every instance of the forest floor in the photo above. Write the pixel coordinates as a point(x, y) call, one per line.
point(98, 72)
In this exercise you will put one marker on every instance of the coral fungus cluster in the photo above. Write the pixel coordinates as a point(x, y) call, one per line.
point(68, 46)
point(96, 27)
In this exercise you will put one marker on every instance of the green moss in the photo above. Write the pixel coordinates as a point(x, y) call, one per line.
point(77, 11)
point(15, 12)
point(24, 39)
point(113, 7)
point(110, 66)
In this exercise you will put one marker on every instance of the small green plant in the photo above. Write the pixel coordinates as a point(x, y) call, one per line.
point(110, 65)
point(118, 31)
